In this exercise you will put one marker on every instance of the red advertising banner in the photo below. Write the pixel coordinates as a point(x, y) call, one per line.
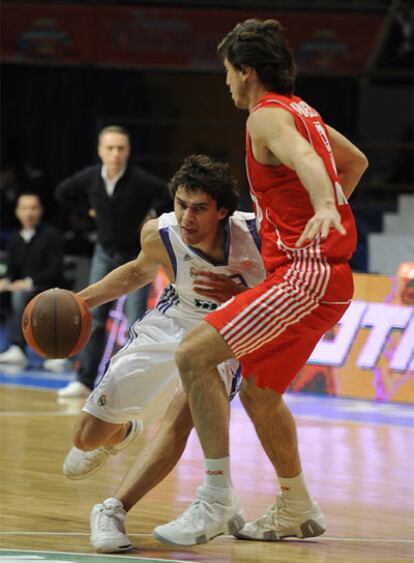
point(142, 36)
point(46, 33)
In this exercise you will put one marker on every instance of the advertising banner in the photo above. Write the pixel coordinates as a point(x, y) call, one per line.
point(148, 37)
point(370, 353)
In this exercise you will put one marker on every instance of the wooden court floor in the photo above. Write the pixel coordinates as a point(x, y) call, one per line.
point(362, 474)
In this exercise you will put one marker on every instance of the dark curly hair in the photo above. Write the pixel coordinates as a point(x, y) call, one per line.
point(199, 172)
point(261, 45)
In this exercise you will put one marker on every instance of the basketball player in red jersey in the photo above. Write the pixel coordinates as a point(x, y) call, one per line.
point(301, 173)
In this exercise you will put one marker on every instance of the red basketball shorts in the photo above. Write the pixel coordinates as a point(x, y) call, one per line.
point(274, 327)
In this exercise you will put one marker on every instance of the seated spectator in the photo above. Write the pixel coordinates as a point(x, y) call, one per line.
point(34, 264)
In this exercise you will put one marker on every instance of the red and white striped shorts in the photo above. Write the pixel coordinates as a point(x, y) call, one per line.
point(274, 327)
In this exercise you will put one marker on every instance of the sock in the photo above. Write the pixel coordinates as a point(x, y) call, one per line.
point(294, 490)
point(216, 494)
point(113, 502)
point(217, 473)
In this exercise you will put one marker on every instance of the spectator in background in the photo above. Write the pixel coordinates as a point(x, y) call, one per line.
point(119, 197)
point(34, 263)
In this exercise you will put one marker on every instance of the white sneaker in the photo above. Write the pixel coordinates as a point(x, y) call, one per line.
point(79, 464)
point(107, 523)
point(281, 521)
point(14, 355)
point(74, 390)
point(55, 365)
point(202, 521)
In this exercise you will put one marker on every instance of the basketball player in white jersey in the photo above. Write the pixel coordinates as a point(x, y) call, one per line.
point(209, 253)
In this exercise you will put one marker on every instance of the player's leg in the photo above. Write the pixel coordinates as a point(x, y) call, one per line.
point(290, 344)
point(294, 513)
point(160, 455)
point(274, 425)
point(139, 383)
point(217, 509)
point(197, 358)
point(153, 464)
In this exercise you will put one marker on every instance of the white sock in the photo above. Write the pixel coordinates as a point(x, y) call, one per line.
point(294, 490)
point(217, 473)
point(113, 502)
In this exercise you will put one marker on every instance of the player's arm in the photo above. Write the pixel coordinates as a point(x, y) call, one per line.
point(133, 274)
point(275, 129)
point(350, 161)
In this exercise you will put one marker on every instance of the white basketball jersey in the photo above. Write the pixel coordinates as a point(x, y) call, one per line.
point(243, 264)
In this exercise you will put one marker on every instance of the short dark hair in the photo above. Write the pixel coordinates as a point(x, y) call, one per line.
point(261, 45)
point(200, 172)
point(113, 129)
point(29, 193)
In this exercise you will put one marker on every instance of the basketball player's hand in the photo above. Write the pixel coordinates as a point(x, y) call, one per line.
point(320, 224)
point(218, 287)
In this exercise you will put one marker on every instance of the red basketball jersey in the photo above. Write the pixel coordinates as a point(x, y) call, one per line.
point(282, 204)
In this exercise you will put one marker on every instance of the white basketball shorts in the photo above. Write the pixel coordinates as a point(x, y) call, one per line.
point(142, 377)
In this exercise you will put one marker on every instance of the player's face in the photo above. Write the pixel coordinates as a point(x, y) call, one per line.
point(237, 85)
point(197, 216)
point(28, 211)
point(113, 150)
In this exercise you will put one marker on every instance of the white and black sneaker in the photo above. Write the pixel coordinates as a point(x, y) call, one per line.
point(282, 520)
point(203, 520)
point(107, 523)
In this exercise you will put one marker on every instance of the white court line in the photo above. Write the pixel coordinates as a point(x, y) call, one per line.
point(112, 556)
point(321, 538)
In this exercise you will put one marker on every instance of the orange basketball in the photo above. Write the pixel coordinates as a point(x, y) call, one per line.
point(56, 323)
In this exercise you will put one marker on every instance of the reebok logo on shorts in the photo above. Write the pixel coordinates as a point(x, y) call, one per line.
point(102, 400)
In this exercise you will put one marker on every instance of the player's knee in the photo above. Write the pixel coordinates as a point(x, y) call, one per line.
point(257, 401)
point(185, 359)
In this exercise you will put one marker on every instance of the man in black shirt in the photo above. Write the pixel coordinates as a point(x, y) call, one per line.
point(34, 264)
point(119, 197)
